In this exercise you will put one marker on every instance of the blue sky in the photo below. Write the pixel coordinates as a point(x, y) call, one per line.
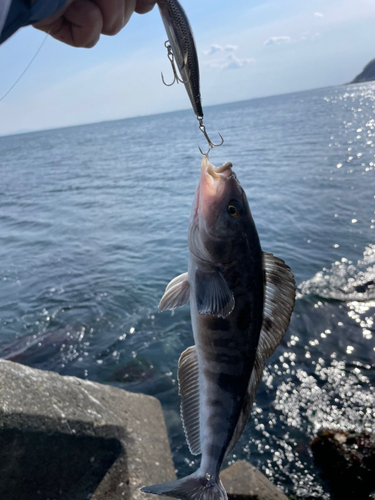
point(257, 48)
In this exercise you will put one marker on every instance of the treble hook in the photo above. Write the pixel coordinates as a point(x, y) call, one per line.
point(176, 78)
point(211, 145)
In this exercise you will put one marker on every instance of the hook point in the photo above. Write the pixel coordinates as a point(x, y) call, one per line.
point(167, 84)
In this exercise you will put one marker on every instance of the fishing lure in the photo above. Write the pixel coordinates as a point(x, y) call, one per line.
point(181, 49)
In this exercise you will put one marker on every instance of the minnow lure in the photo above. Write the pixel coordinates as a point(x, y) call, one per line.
point(181, 49)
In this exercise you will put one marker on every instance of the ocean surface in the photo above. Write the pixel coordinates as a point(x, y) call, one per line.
point(93, 226)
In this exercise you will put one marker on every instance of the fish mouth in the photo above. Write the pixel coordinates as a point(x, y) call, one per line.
point(212, 197)
point(224, 170)
point(213, 180)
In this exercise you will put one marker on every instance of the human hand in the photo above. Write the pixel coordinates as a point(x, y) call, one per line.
point(81, 22)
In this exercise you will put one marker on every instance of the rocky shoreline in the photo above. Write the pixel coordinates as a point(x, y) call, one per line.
point(347, 461)
point(367, 74)
point(63, 438)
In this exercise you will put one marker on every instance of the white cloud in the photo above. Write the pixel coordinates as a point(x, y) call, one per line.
point(318, 14)
point(214, 48)
point(219, 48)
point(230, 62)
point(235, 63)
point(307, 36)
point(277, 40)
point(224, 61)
point(230, 48)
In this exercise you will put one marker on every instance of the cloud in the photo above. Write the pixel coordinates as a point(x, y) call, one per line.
point(306, 36)
point(225, 61)
point(230, 62)
point(214, 48)
point(235, 63)
point(277, 40)
point(230, 48)
point(219, 48)
point(318, 14)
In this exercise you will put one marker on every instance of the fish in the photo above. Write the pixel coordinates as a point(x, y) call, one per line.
point(241, 301)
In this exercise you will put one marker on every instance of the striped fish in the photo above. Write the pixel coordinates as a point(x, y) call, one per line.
point(241, 300)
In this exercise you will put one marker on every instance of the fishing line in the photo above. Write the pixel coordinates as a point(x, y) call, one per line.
point(27, 67)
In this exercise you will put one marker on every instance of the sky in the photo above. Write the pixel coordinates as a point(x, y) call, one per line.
point(246, 49)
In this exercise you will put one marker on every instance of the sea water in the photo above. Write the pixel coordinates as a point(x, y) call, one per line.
point(93, 226)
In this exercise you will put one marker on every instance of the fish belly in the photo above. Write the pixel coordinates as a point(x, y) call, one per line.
point(226, 349)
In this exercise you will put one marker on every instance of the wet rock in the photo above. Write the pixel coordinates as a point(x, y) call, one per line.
point(365, 287)
point(347, 460)
point(69, 439)
point(135, 370)
point(34, 349)
point(243, 481)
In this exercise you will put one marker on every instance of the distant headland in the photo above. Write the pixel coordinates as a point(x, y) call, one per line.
point(367, 75)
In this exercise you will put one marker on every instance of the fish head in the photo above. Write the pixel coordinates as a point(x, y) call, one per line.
point(220, 217)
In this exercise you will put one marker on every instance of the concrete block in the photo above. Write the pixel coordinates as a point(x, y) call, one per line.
point(63, 438)
point(243, 481)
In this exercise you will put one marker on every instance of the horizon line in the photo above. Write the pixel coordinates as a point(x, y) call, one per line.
point(163, 113)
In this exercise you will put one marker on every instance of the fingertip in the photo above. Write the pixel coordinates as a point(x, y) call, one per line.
point(114, 15)
point(114, 28)
point(89, 44)
point(144, 6)
point(86, 23)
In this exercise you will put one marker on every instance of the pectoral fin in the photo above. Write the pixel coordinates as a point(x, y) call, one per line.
point(176, 294)
point(279, 298)
point(212, 293)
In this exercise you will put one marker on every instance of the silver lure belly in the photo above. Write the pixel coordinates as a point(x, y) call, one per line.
point(181, 38)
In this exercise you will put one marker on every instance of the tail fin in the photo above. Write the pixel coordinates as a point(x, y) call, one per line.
point(195, 487)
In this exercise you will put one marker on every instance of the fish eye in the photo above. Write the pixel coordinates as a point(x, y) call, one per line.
point(235, 209)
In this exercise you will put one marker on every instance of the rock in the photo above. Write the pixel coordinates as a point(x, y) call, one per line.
point(347, 460)
point(367, 75)
point(243, 481)
point(63, 438)
point(365, 287)
point(33, 350)
point(134, 370)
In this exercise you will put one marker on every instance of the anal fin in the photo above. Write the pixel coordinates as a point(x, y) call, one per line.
point(188, 381)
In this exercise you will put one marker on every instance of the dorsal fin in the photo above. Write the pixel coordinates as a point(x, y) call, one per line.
point(188, 381)
point(279, 298)
point(176, 294)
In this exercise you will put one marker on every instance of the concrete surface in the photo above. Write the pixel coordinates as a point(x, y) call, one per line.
point(63, 438)
point(243, 481)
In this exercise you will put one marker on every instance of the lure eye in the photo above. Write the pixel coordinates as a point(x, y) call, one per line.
point(235, 209)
